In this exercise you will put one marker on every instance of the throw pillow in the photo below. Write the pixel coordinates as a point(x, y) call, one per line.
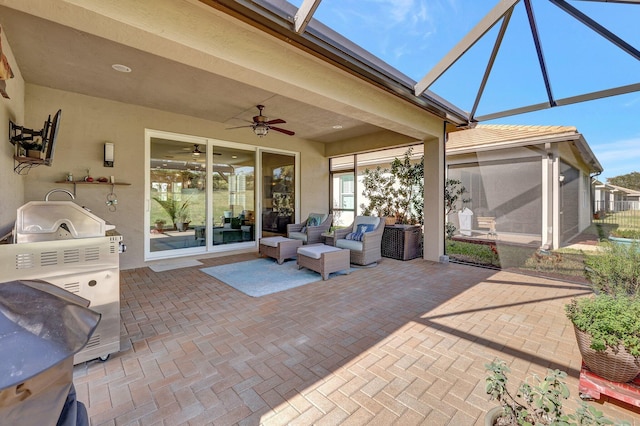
point(359, 234)
point(353, 236)
point(314, 219)
point(365, 228)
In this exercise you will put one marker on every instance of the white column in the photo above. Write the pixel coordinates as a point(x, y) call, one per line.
point(555, 184)
point(434, 172)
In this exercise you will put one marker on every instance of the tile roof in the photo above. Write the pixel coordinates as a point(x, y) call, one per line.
point(625, 190)
point(497, 134)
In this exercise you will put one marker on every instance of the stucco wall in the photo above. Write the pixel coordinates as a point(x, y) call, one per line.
point(87, 122)
point(12, 109)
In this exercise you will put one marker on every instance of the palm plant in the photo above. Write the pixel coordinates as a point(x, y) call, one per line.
point(176, 210)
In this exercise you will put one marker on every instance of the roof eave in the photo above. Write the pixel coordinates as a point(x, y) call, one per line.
point(332, 48)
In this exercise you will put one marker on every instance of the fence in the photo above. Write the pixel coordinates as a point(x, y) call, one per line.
point(625, 214)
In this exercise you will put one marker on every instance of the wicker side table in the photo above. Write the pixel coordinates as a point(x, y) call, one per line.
point(401, 242)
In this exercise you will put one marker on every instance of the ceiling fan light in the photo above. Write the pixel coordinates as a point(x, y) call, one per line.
point(260, 129)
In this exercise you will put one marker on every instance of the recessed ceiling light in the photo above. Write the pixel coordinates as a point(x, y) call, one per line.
point(234, 156)
point(121, 68)
point(337, 126)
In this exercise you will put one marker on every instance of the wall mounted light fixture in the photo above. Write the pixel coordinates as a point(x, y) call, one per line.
point(108, 154)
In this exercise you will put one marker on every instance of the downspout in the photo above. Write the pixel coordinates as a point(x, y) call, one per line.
point(592, 191)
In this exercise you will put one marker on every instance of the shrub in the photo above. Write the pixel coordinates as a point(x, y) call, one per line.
point(615, 269)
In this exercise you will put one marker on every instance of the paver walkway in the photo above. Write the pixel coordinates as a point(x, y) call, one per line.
point(403, 343)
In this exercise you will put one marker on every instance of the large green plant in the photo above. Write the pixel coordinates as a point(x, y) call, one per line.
point(398, 191)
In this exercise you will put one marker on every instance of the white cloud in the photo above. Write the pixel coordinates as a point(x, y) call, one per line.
point(632, 102)
point(618, 157)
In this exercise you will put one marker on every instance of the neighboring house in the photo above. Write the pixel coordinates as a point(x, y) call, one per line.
point(535, 181)
point(609, 198)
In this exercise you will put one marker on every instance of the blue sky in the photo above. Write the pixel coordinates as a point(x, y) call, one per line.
point(414, 35)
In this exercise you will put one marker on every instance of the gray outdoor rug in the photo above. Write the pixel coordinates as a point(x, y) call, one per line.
point(264, 276)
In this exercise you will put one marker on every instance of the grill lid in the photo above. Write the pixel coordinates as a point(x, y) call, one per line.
point(55, 220)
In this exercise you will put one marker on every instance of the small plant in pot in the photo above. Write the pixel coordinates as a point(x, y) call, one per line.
point(160, 224)
point(536, 401)
point(32, 148)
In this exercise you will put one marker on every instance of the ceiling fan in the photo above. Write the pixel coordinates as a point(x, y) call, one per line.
point(261, 125)
point(195, 152)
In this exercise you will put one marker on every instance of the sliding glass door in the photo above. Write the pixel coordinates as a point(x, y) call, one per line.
point(233, 195)
point(278, 192)
point(207, 195)
point(178, 193)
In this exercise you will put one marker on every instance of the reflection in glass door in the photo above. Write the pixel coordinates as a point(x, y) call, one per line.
point(177, 177)
point(278, 193)
point(233, 195)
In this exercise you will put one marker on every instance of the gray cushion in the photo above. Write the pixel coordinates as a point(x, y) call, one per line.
point(298, 236)
point(349, 244)
point(315, 251)
point(273, 241)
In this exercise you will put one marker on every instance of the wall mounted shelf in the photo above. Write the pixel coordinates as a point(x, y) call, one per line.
point(81, 182)
point(22, 165)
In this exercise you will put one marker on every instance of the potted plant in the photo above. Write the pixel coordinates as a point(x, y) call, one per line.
point(160, 225)
point(607, 324)
point(32, 148)
point(182, 222)
point(174, 208)
point(395, 193)
point(607, 328)
point(539, 402)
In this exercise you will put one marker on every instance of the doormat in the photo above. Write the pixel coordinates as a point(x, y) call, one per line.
point(264, 276)
point(167, 266)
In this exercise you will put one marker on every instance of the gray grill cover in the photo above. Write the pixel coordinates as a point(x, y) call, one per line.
point(41, 327)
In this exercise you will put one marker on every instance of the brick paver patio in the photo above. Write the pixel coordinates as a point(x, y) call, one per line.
point(403, 343)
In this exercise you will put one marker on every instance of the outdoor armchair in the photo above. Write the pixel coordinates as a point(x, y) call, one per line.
point(310, 231)
point(365, 247)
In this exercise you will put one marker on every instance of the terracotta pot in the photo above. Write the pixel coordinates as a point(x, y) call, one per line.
point(619, 367)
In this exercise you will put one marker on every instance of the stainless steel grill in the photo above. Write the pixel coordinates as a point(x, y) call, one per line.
point(66, 245)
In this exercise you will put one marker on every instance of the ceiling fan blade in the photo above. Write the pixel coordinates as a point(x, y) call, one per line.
point(286, 132)
point(276, 121)
point(238, 127)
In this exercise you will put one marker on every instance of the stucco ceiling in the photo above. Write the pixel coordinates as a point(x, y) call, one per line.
point(60, 57)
